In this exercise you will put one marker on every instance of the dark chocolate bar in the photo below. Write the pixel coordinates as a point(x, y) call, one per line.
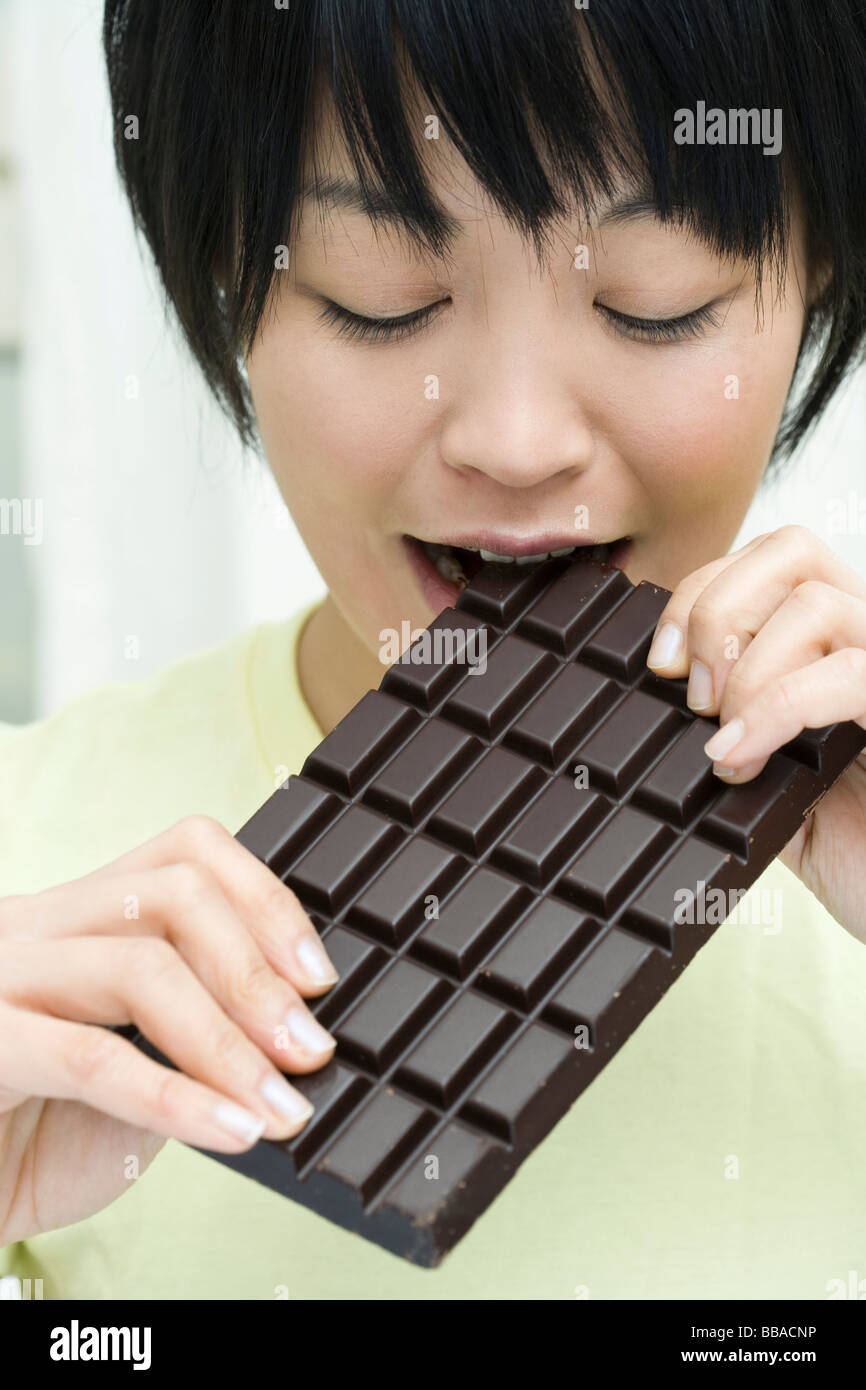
point(501, 920)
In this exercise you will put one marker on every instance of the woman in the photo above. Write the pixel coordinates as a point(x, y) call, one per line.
point(461, 272)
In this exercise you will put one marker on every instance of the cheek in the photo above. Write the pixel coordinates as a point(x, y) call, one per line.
point(699, 428)
point(337, 428)
point(329, 427)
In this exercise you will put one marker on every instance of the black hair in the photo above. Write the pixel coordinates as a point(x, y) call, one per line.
point(226, 95)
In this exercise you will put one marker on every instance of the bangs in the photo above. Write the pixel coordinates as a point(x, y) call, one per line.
point(554, 109)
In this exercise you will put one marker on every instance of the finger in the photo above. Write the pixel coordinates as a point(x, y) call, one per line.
point(718, 619)
point(184, 906)
point(50, 1057)
point(144, 980)
point(825, 692)
point(813, 621)
point(269, 910)
point(667, 653)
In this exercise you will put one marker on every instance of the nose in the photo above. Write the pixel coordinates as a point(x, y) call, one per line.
point(518, 420)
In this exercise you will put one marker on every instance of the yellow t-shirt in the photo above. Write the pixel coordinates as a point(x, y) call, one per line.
point(720, 1154)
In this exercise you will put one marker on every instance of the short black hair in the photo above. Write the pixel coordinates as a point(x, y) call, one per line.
point(226, 92)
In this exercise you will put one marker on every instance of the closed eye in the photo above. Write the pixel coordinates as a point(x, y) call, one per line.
point(352, 325)
point(669, 330)
point(674, 330)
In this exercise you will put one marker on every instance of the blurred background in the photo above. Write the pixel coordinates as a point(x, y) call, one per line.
point(132, 528)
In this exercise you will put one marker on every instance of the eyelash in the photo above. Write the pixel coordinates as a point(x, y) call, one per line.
point(379, 330)
point(676, 330)
point(356, 326)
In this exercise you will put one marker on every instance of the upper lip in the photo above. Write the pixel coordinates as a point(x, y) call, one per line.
point(518, 546)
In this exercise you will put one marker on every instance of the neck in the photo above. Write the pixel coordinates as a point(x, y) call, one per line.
point(334, 667)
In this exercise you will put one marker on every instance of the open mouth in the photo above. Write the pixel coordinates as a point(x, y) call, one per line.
point(443, 570)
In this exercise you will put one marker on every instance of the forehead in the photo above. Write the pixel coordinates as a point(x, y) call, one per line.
point(331, 185)
point(331, 181)
point(377, 195)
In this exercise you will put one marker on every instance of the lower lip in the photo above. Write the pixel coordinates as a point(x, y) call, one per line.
point(439, 593)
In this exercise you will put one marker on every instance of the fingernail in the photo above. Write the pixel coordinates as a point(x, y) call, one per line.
point(286, 1101)
point(723, 771)
point(315, 963)
point(665, 645)
point(239, 1123)
point(306, 1031)
point(700, 689)
point(724, 739)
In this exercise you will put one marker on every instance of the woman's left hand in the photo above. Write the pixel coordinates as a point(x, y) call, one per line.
point(773, 639)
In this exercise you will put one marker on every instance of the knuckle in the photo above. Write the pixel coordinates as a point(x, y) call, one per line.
point(785, 697)
point(90, 1054)
point(794, 531)
point(166, 1086)
point(275, 899)
point(855, 664)
point(722, 636)
point(812, 594)
point(151, 956)
point(228, 1046)
point(251, 981)
point(738, 688)
point(201, 832)
point(703, 619)
point(794, 534)
point(190, 882)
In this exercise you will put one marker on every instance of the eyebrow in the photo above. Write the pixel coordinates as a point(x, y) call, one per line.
point(629, 209)
point(337, 191)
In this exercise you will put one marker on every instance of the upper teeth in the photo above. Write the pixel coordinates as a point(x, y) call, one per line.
point(595, 552)
point(450, 568)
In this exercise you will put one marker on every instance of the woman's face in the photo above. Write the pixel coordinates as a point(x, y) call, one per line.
point(527, 415)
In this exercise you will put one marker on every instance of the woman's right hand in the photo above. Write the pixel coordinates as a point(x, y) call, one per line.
point(199, 944)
